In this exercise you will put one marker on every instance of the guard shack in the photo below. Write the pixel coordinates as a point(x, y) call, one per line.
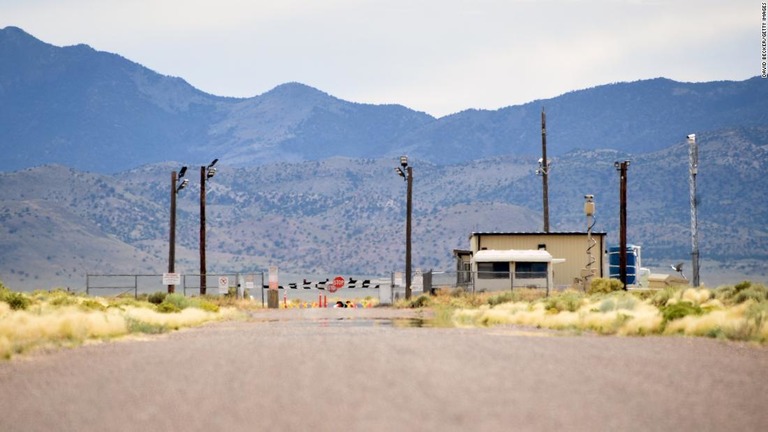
point(504, 270)
point(575, 247)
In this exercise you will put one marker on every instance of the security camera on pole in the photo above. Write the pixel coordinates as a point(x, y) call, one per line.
point(406, 172)
point(177, 184)
point(205, 173)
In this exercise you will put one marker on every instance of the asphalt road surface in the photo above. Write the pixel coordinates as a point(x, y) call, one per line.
point(353, 370)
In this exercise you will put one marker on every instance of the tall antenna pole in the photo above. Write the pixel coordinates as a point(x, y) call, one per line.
point(544, 169)
point(693, 155)
point(589, 210)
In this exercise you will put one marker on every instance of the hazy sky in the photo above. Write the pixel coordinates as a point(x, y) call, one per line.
point(437, 56)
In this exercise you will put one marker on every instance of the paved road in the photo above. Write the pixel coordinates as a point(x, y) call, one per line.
point(332, 370)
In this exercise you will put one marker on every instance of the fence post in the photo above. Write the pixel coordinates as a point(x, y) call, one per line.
point(263, 304)
point(136, 287)
point(87, 284)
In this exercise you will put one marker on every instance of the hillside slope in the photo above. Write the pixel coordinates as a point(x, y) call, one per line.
point(347, 216)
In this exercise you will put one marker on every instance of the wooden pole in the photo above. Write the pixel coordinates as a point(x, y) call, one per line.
point(203, 175)
point(409, 210)
point(544, 170)
point(172, 235)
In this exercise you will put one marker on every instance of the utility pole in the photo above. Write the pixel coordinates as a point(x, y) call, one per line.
point(693, 155)
point(622, 168)
point(544, 168)
point(406, 172)
point(409, 210)
point(205, 173)
point(175, 188)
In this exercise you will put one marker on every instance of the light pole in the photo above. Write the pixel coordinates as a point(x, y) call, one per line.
point(693, 155)
point(205, 173)
point(177, 184)
point(622, 168)
point(406, 172)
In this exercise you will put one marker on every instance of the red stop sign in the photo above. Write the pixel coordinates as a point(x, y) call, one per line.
point(338, 283)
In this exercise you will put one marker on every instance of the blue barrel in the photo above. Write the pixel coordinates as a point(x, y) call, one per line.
point(614, 261)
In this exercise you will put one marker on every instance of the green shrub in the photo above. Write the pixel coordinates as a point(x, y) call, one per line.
point(157, 297)
point(679, 310)
point(18, 301)
point(757, 314)
point(120, 302)
point(459, 292)
point(604, 286)
point(741, 292)
point(758, 293)
point(619, 300)
point(205, 305)
point(419, 302)
point(168, 307)
point(137, 326)
point(661, 297)
point(178, 300)
point(89, 304)
point(566, 301)
point(62, 300)
point(505, 297)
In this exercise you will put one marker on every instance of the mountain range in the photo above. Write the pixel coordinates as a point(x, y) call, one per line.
point(305, 179)
point(100, 112)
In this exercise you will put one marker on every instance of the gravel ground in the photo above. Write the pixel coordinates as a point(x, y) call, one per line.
point(369, 370)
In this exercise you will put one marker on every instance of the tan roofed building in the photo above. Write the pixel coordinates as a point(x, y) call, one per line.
point(567, 250)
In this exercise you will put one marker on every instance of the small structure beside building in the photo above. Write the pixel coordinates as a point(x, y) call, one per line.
point(661, 281)
point(498, 270)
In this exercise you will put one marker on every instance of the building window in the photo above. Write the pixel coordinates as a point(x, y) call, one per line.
point(493, 270)
point(530, 270)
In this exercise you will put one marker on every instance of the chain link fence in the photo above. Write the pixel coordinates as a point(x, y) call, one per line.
point(253, 285)
point(114, 285)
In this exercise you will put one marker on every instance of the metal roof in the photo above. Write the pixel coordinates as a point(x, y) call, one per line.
point(512, 255)
point(495, 233)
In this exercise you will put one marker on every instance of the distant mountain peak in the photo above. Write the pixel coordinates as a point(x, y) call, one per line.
point(15, 36)
point(14, 31)
point(296, 90)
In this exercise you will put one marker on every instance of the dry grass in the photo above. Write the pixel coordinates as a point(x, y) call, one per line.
point(739, 313)
point(63, 320)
